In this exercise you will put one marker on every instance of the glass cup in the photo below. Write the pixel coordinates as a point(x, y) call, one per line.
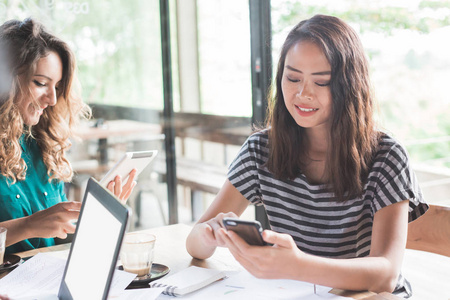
point(2, 243)
point(137, 253)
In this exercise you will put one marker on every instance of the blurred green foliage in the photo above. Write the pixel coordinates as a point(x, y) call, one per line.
point(117, 45)
point(368, 17)
point(413, 100)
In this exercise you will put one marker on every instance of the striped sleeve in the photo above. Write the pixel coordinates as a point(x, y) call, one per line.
point(395, 180)
point(243, 171)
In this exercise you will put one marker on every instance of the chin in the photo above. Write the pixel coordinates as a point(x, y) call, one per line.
point(32, 121)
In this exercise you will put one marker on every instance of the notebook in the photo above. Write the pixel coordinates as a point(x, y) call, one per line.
point(187, 280)
point(96, 245)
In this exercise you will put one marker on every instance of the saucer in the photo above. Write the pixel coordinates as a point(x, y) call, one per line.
point(10, 261)
point(158, 271)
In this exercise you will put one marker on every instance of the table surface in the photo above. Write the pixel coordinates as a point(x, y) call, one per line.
point(170, 250)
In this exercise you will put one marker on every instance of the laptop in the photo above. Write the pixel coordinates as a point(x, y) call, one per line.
point(95, 247)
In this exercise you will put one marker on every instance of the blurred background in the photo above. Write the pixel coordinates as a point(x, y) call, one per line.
point(190, 78)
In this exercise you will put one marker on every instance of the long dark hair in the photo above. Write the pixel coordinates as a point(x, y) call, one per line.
point(353, 137)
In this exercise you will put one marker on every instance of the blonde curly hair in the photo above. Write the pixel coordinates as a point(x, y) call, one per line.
point(22, 44)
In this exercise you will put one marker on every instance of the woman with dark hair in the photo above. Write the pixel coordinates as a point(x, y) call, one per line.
point(39, 108)
point(337, 192)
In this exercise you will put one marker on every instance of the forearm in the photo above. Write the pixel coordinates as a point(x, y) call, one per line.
point(375, 274)
point(196, 244)
point(201, 242)
point(18, 230)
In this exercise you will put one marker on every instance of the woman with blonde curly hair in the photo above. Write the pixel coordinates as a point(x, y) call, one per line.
point(39, 108)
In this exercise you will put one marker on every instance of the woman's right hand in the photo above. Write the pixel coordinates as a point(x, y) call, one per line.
point(210, 228)
point(203, 240)
point(55, 221)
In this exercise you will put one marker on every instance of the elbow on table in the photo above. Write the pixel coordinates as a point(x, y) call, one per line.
point(197, 251)
point(386, 283)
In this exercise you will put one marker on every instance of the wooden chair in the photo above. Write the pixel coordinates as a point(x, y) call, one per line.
point(426, 263)
point(431, 232)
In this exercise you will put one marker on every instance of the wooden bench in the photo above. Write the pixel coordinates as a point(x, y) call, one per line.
point(196, 175)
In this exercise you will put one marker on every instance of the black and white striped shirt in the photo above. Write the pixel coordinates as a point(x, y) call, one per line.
point(319, 224)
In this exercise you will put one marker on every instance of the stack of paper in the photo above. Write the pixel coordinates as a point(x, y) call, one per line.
point(40, 278)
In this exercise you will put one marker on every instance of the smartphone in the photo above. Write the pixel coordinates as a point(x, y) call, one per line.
point(129, 161)
point(250, 231)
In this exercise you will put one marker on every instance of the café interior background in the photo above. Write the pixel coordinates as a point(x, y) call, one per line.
point(118, 45)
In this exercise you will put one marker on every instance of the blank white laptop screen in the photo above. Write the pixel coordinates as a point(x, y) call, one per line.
point(95, 247)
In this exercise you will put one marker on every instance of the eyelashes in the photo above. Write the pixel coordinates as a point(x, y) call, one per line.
point(38, 83)
point(317, 83)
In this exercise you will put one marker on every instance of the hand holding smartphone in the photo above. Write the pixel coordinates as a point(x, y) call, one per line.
point(250, 231)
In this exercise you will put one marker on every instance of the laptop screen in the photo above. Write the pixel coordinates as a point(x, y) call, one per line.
point(95, 247)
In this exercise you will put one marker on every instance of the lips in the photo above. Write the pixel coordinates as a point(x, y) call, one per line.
point(39, 110)
point(305, 111)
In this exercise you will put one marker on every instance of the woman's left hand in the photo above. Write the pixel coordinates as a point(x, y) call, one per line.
point(270, 262)
point(123, 192)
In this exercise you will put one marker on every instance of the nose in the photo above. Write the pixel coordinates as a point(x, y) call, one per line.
point(305, 91)
point(52, 96)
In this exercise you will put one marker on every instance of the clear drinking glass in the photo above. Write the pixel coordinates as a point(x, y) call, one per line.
point(137, 253)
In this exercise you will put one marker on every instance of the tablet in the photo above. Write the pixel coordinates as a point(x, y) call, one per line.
point(128, 162)
point(89, 270)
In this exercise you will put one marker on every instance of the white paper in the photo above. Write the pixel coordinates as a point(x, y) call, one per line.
point(243, 285)
point(63, 254)
point(40, 273)
point(120, 281)
point(138, 294)
point(40, 278)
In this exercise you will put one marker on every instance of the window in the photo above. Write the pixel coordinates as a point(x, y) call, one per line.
point(410, 67)
point(224, 57)
point(118, 47)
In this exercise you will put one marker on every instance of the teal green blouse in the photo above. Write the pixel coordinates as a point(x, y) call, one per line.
point(31, 195)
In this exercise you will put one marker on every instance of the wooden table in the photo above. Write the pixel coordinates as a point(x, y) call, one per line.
point(170, 250)
point(117, 128)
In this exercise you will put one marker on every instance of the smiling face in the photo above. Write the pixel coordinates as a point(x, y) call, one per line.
point(43, 87)
point(306, 86)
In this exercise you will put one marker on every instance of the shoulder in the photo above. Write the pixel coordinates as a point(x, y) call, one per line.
point(392, 179)
point(257, 144)
point(391, 161)
point(259, 138)
point(254, 152)
point(389, 149)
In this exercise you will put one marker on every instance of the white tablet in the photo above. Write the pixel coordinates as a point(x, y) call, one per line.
point(95, 248)
point(128, 162)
